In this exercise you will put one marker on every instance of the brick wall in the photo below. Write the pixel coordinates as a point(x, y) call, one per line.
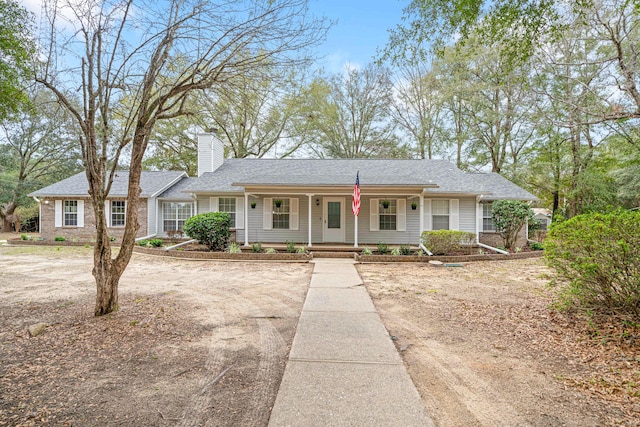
point(88, 232)
point(495, 239)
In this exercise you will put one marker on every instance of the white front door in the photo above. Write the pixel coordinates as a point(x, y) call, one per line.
point(333, 227)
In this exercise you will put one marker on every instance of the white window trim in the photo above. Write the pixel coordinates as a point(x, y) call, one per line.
point(294, 213)
point(58, 220)
point(214, 206)
point(401, 215)
point(110, 216)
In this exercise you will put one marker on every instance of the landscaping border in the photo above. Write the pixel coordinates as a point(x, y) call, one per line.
point(445, 258)
point(291, 257)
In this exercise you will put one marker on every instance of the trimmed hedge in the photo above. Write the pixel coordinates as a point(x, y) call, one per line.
point(211, 229)
point(597, 259)
point(443, 242)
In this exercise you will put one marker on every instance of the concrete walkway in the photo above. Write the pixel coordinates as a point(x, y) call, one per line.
point(343, 369)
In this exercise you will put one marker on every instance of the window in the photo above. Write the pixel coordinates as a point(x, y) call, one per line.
point(487, 220)
point(388, 216)
point(70, 213)
point(440, 214)
point(228, 205)
point(175, 214)
point(117, 213)
point(281, 214)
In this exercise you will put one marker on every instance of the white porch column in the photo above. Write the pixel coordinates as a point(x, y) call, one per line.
point(246, 219)
point(421, 214)
point(310, 201)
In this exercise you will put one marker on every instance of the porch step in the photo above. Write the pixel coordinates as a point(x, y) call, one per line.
point(328, 254)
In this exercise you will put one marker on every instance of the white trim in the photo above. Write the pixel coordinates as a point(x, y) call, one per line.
point(428, 223)
point(454, 214)
point(294, 208)
point(401, 215)
point(239, 213)
point(267, 215)
point(246, 219)
point(107, 212)
point(213, 204)
point(80, 222)
point(58, 214)
point(421, 214)
point(374, 217)
point(309, 202)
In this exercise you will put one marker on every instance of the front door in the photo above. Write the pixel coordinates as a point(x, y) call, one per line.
point(333, 228)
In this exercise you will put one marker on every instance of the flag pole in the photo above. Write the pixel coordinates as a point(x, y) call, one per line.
point(355, 208)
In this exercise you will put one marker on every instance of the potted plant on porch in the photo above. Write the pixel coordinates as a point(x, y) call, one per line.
point(277, 202)
point(385, 204)
point(253, 205)
point(414, 206)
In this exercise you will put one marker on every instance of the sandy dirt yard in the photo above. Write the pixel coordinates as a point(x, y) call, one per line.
point(195, 342)
point(484, 348)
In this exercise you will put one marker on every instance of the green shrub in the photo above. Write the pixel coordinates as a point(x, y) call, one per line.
point(256, 247)
point(143, 243)
point(596, 258)
point(25, 237)
point(443, 242)
point(270, 251)
point(301, 250)
point(383, 248)
point(234, 248)
point(156, 243)
point(211, 229)
point(366, 251)
point(405, 250)
point(291, 247)
point(59, 239)
point(509, 216)
point(537, 246)
point(395, 252)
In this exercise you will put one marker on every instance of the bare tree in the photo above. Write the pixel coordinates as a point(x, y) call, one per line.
point(121, 66)
point(351, 117)
point(418, 107)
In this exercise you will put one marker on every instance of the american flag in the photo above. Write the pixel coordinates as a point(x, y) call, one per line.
point(355, 202)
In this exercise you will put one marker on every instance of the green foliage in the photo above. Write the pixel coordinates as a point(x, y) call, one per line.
point(25, 237)
point(234, 248)
point(291, 247)
point(405, 250)
point(509, 216)
point(156, 243)
point(442, 242)
point(143, 242)
point(537, 246)
point(366, 251)
point(395, 252)
point(301, 250)
point(597, 259)
point(256, 248)
point(211, 229)
point(59, 239)
point(383, 248)
point(270, 251)
point(16, 49)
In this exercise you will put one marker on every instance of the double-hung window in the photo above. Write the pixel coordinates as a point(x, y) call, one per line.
point(487, 219)
point(281, 214)
point(174, 215)
point(440, 214)
point(70, 213)
point(118, 211)
point(388, 214)
point(228, 205)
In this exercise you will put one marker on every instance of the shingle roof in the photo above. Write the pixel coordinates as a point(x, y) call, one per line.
point(150, 183)
point(341, 172)
point(177, 190)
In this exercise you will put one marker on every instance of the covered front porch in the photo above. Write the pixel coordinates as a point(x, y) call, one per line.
point(322, 217)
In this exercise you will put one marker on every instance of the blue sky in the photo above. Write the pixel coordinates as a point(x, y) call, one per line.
point(361, 26)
